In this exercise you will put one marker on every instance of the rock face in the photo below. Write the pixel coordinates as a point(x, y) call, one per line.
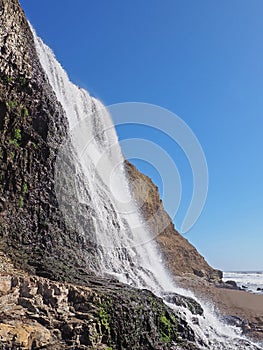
point(32, 127)
point(38, 313)
point(181, 257)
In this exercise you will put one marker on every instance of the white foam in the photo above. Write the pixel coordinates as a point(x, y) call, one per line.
point(251, 280)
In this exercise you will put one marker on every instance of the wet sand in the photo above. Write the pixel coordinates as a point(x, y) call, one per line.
point(230, 302)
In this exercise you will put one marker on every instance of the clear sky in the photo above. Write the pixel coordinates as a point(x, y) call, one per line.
point(203, 60)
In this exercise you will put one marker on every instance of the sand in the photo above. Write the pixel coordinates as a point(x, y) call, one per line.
point(229, 302)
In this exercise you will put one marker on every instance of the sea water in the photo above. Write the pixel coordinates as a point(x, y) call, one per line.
point(251, 281)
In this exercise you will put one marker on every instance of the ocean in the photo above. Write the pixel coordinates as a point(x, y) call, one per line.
point(250, 281)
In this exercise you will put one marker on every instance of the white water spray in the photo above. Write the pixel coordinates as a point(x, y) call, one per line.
point(119, 229)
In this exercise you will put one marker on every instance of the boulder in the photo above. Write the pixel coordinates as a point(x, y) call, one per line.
point(232, 283)
point(187, 302)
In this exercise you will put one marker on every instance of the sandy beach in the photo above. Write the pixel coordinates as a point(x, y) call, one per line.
point(230, 302)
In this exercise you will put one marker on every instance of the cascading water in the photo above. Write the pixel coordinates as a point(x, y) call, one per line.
point(118, 225)
point(100, 184)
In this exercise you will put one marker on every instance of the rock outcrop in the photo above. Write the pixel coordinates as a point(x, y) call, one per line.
point(181, 257)
point(36, 313)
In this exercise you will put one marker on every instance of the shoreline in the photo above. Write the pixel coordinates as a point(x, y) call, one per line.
point(250, 281)
point(232, 304)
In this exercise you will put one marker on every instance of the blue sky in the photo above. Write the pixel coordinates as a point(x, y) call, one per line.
point(202, 60)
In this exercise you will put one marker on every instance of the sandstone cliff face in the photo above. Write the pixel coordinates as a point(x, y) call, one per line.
point(181, 257)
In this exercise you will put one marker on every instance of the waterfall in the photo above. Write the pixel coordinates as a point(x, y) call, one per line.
point(114, 223)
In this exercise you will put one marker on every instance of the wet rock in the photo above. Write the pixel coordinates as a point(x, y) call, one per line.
point(32, 127)
point(248, 328)
point(40, 313)
point(186, 302)
point(233, 321)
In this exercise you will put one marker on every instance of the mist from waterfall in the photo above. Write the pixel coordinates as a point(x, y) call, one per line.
point(101, 185)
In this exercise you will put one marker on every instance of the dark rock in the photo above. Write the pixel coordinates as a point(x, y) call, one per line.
point(228, 285)
point(233, 321)
point(198, 273)
point(232, 283)
point(186, 302)
point(33, 125)
point(249, 329)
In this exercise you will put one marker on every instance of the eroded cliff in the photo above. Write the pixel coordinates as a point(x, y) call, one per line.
point(181, 257)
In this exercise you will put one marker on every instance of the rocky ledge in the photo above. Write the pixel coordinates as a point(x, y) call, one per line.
point(36, 312)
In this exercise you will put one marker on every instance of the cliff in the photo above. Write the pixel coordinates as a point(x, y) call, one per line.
point(37, 312)
point(32, 126)
point(181, 257)
point(49, 298)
